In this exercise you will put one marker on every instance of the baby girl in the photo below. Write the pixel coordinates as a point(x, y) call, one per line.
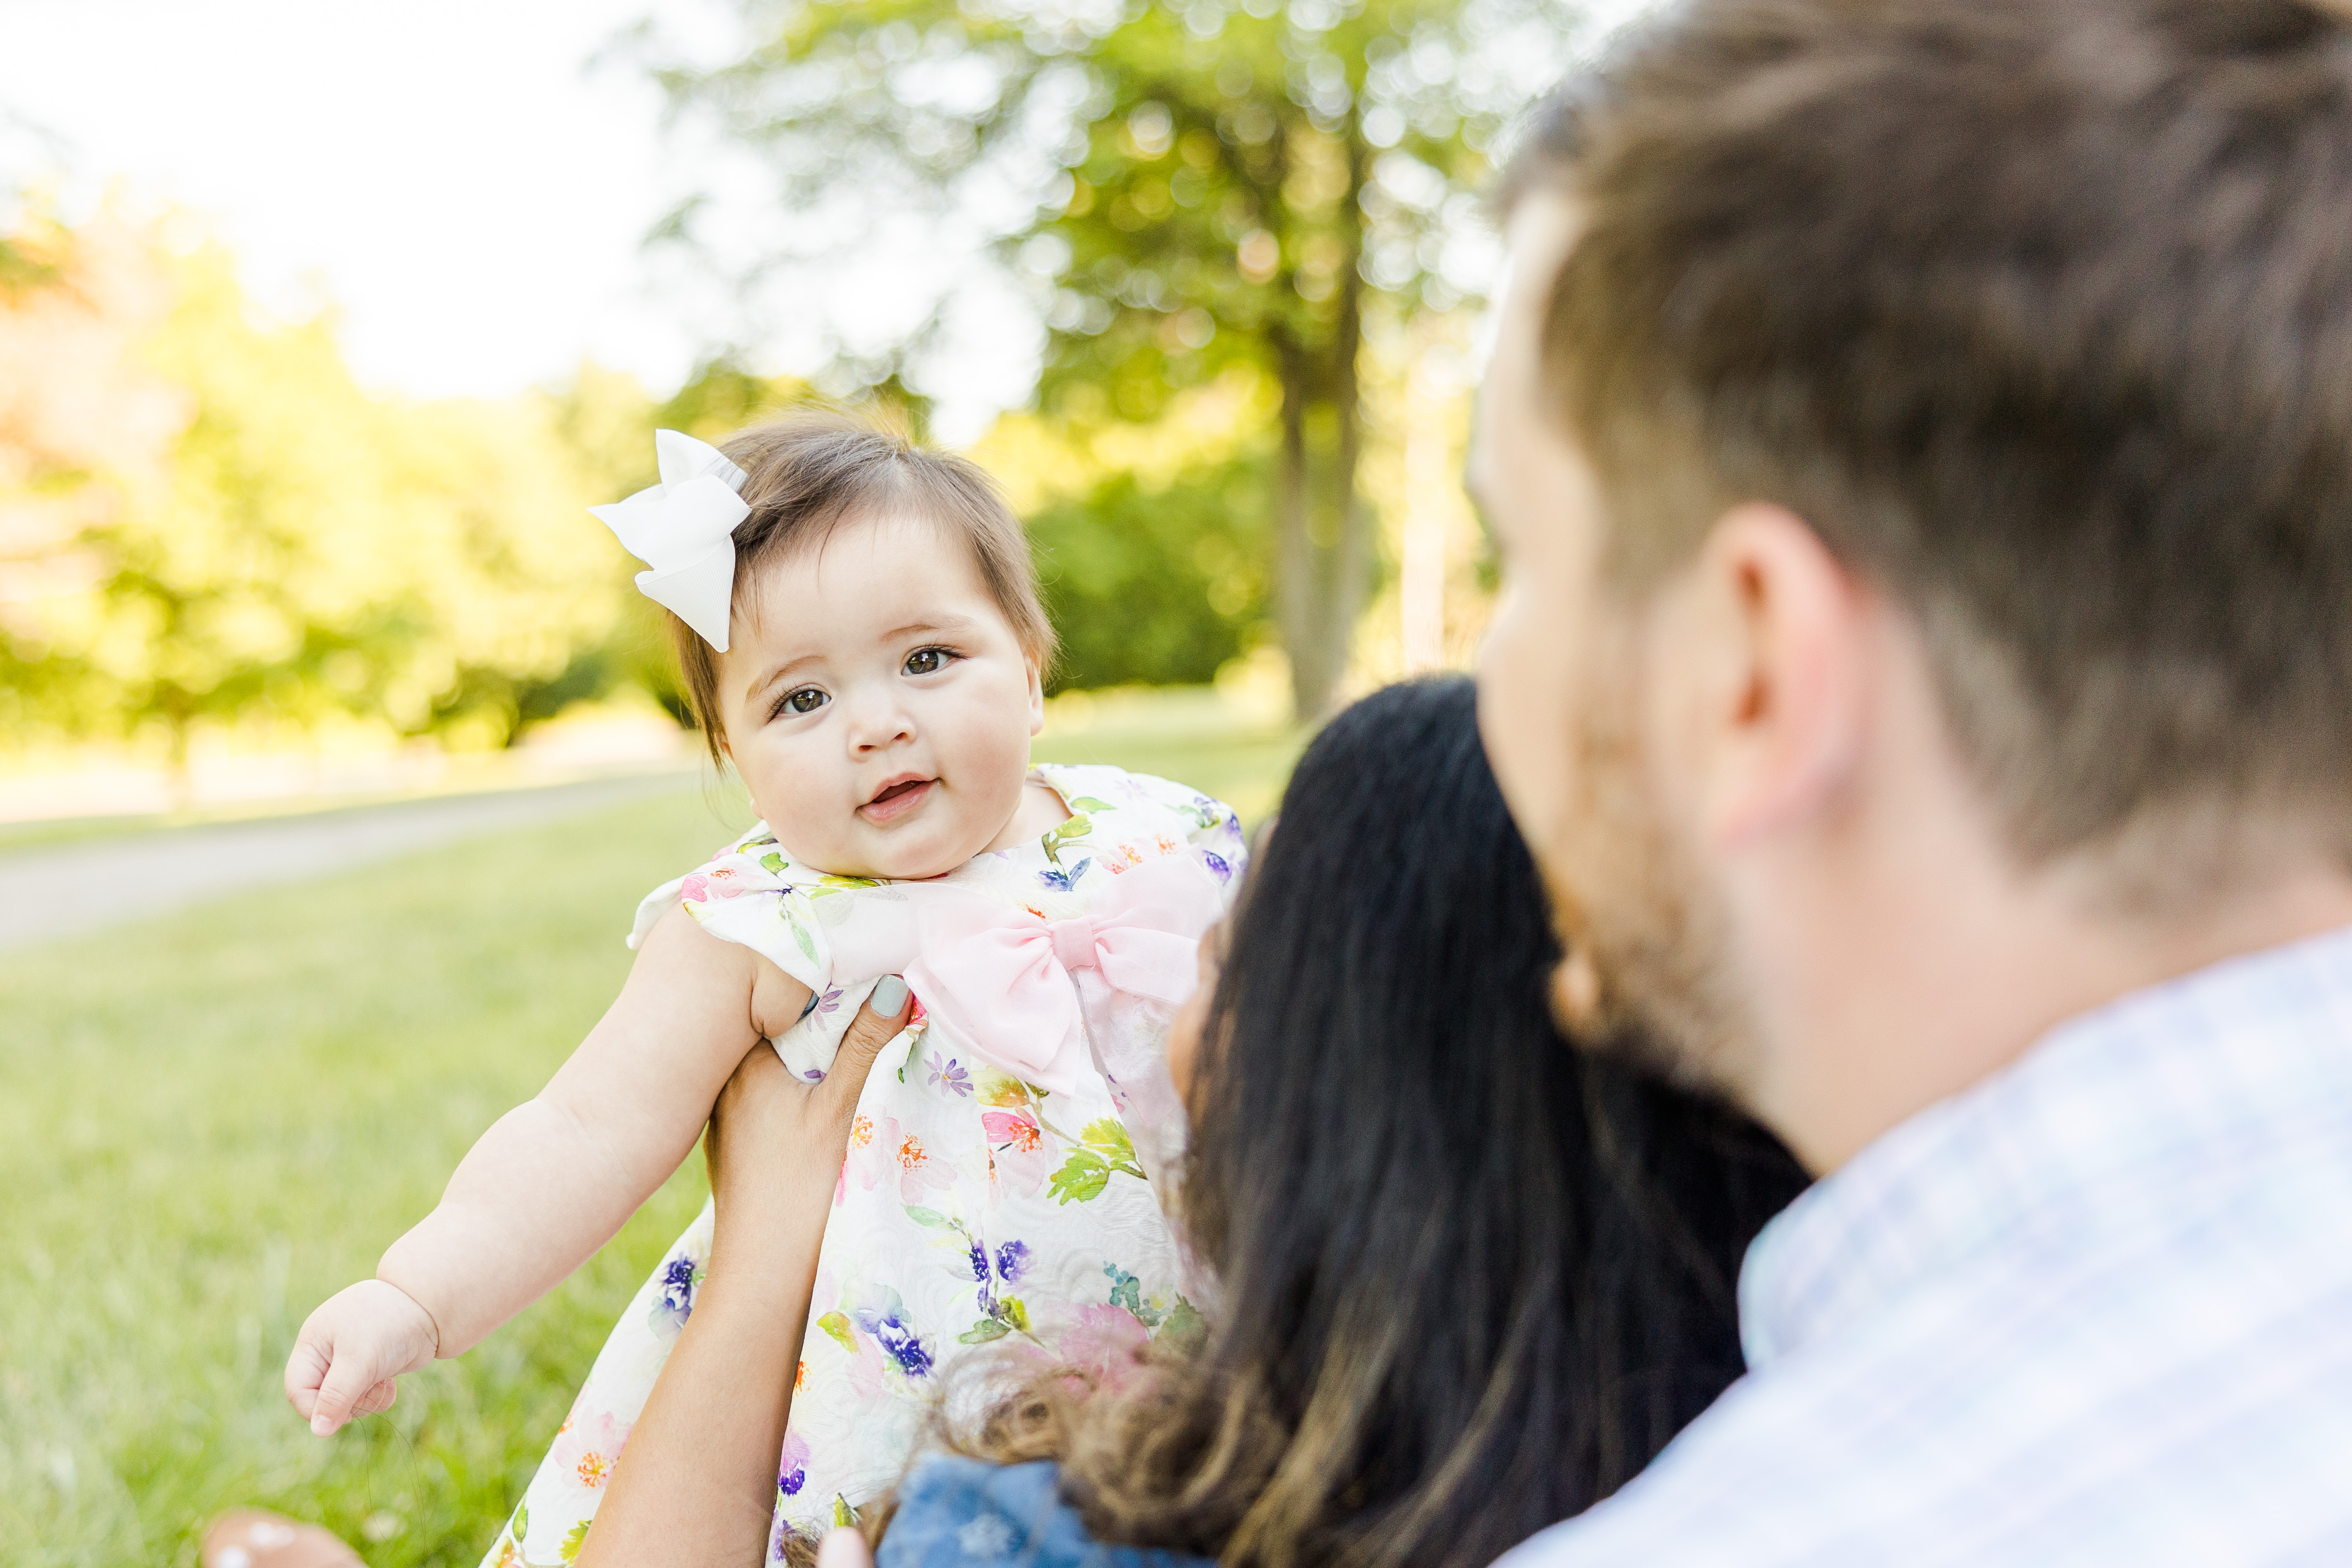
point(859, 634)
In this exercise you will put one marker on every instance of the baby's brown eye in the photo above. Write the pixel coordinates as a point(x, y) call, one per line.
point(927, 661)
point(808, 699)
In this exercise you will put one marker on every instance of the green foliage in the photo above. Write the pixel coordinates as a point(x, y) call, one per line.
point(720, 398)
point(1077, 826)
point(1154, 585)
point(317, 549)
point(1184, 1329)
point(240, 534)
point(1215, 187)
point(1105, 1152)
point(1218, 209)
point(1007, 1315)
point(291, 547)
point(1184, 131)
point(22, 268)
point(1081, 1179)
point(1107, 1136)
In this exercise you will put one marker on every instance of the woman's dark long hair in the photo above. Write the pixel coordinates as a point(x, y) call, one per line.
point(1472, 1276)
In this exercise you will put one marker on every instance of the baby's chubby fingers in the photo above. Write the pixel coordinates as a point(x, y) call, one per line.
point(358, 1382)
point(306, 1368)
point(352, 1349)
point(349, 1379)
point(377, 1400)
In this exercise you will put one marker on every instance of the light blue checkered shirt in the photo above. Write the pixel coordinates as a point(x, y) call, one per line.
point(2096, 1309)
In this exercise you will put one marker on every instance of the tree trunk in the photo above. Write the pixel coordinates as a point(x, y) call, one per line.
point(1323, 544)
point(1352, 553)
point(1299, 574)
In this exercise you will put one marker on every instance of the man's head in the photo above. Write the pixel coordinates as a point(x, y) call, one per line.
point(2004, 344)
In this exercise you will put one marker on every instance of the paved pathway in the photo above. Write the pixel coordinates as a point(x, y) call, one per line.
point(46, 894)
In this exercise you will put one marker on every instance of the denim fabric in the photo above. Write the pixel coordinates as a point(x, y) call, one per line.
point(955, 1511)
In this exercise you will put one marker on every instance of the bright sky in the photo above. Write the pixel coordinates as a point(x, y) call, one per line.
point(454, 176)
point(450, 173)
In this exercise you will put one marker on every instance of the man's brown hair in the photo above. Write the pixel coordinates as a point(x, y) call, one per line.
point(2040, 312)
point(807, 473)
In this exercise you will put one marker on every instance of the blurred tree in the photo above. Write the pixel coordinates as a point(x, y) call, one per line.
point(1194, 184)
point(319, 549)
point(720, 398)
point(1150, 538)
point(23, 146)
point(86, 427)
point(21, 268)
point(1153, 584)
point(226, 528)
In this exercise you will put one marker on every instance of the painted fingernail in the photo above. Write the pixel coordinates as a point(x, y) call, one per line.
point(888, 997)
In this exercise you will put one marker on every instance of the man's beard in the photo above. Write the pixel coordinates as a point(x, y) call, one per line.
point(1647, 973)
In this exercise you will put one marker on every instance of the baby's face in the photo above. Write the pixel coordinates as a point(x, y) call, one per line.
point(878, 704)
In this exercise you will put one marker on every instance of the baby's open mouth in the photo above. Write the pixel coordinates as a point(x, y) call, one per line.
point(896, 798)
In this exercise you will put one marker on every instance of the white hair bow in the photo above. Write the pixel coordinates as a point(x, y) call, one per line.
point(684, 531)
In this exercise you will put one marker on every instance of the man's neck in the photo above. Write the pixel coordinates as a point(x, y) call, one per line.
point(1906, 969)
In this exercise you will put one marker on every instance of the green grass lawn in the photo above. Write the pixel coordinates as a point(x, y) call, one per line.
point(210, 1122)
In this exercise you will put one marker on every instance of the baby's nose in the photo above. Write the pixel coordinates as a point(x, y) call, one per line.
point(876, 724)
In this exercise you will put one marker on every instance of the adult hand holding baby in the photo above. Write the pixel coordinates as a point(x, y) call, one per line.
point(774, 1149)
point(773, 1139)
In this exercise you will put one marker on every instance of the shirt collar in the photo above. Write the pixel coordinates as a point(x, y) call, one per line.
point(2111, 1121)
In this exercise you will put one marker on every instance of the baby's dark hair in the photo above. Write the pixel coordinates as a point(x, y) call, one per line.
point(806, 474)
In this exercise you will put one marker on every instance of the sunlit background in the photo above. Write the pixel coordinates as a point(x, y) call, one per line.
point(335, 748)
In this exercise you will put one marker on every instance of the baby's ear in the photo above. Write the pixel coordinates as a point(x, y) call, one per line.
point(1036, 694)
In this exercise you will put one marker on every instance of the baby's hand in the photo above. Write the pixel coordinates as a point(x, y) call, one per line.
point(352, 1349)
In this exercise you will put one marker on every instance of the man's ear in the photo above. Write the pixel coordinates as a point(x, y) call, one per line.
point(1781, 630)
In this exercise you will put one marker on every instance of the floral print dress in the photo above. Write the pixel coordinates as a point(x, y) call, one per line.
point(977, 1212)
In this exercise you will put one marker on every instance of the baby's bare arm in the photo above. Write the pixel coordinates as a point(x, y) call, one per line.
point(553, 1178)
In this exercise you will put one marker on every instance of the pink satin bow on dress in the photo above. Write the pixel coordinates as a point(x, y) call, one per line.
point(1001, 982)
